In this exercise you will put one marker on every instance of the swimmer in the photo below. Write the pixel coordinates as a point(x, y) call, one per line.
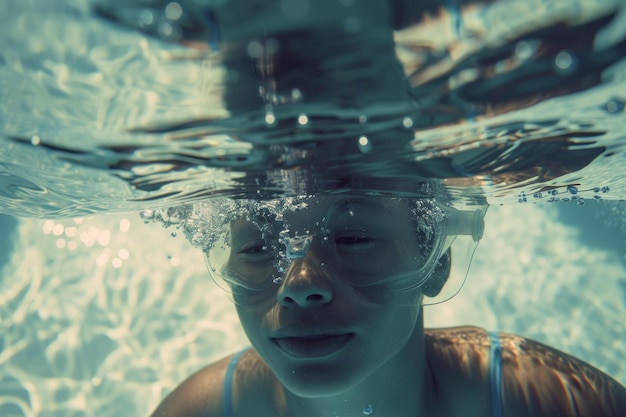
point(330, 291)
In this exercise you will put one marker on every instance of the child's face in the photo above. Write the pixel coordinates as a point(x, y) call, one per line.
point(317, 331)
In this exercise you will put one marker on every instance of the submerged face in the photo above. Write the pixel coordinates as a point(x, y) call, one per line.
point(322, 328)
point(380, 246)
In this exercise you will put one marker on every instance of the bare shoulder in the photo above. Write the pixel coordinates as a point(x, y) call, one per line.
point(539, 380)
point(458, 359)
point(199, 395)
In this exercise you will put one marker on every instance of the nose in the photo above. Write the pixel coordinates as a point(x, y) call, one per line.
point(306, 284)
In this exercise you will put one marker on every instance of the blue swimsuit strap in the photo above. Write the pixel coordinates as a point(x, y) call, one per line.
point(227, 389)
point(495, 375)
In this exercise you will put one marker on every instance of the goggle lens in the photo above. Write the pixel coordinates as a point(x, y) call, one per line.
point(361, 241)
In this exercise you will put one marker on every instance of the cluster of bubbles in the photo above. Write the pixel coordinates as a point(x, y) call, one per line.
point(570, 194)
point(202, 223)
point(615, 106)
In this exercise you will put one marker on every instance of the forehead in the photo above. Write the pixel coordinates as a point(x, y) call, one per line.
point(312, 210)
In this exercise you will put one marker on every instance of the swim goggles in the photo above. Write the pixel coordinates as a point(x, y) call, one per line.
point(384, 248)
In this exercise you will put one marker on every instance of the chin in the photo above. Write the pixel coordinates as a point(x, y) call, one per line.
point(317, 381)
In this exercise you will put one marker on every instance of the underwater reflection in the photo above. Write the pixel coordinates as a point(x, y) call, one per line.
point(443, 91)
point(362, 90)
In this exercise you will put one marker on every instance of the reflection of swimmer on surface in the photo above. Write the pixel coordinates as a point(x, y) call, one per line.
point(330, 289)
point(288, 64)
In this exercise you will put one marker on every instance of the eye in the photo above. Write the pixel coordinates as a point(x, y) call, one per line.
point(355, 241)
point(256, 250)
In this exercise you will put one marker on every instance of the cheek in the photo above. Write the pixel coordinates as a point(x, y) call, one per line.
point(252, 321)
point(395, 327)
point(257, 321)
point(386, 295)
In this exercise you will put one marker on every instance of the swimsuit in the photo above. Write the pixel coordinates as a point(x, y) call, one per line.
point(227, 390)
point(495, 379)
point(495, 375)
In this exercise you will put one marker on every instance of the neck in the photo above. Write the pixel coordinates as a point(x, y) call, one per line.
point(397, 389)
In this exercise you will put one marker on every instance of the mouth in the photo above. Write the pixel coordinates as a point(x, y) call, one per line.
point(313, 346)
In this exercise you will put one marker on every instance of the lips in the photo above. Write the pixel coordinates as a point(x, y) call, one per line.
point(313, 346)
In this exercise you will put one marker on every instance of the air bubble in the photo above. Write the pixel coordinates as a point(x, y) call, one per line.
point(277, 280)
point(35, 140)
point(296, 94)
point(168, 31)
point(146, 17)
point(365, 145)
point(368, 410)
point(255, 49)
point(524, 50)
point(614, 106)
point(173, 234)
point(407, 122)
point(572, 190)
point(270, 119)
point(58, 229)
point(564, 62)
point(303, 120)
point(173, 11)
point(363, 118)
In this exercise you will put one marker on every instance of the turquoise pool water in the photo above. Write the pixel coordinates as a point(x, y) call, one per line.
point(102, 314)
